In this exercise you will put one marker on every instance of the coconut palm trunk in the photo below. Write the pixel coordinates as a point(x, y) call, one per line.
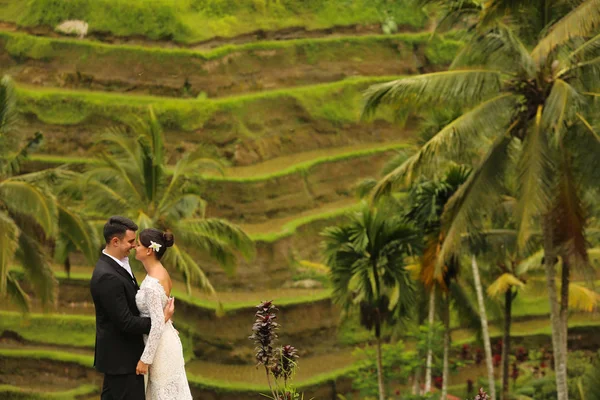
point(416, 389)
point(564, 304)
point(446, 370)
point(429, 361)
point(379, 357)
point(484, 329)
point(560, 365)
point(508, 298)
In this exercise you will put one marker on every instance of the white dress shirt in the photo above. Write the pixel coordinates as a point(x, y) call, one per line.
point(123, 263)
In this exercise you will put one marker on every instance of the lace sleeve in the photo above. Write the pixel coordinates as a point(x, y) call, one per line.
point(153, 302)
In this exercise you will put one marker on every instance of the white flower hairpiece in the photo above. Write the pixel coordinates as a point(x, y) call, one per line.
point(155, 246)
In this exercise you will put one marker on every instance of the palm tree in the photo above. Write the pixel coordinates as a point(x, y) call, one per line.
point(511, 273)
point(428, 200)
point(532, 107)
point(133, 180)
point(28, 212)
point(366, 257)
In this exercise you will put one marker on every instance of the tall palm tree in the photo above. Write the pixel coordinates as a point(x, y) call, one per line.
point(428, 200)
point(28, 211)
point(366, 257)
point(531, 106)
point(133, 180)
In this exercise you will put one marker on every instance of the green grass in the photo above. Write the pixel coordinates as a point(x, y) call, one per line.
point(304, 168)
point(68, 330)
point(8, 392)
point(189, 21)
point(440, 50)
point(38, 354)
point(211, 305)
point(64, 107)
point(291, 227)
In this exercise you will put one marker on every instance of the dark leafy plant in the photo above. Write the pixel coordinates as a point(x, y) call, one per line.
point(278, 362)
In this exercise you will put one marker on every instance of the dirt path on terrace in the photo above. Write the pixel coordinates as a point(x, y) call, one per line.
point(290, 33)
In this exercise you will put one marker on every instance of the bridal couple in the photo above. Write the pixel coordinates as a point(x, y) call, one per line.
point(134, 333)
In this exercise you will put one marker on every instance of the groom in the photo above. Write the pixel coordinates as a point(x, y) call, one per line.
point(119, 328)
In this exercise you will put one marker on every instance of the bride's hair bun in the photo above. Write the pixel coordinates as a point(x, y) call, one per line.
point(169, 239)
point(164, 239)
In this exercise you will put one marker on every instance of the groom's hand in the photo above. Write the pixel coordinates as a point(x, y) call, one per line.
point(169, 309)
point(141, 369)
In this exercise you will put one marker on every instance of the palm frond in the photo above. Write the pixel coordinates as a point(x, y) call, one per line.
point(588, 127)
point(217, 238)
point(568, 218)
point(121, 144)
point(38, 270)
point(186, 205)
point(561, 108)
point(183, 262)
point(18, 296)
point(531, 263)
point(100, 197)
point(129, 180)
point(460, 88)
point(535, 171)
point(33, 201)
point(588, 47)
point(9, 242)
point(484, 120)
point(225, 231)
point(503, 283)
point(8, 115)
point(364, 187)
point(479, 193)
point(11, 164)
point(78, 231)
point(188, 165)
point(582, 298)
point(580, 22)
point(498, 49)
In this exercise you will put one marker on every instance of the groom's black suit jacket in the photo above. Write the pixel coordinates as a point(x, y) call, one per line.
point(119, 327)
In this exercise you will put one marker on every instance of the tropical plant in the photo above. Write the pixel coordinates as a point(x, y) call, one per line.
point(509, 273)
point(30, 216)
point(132, 179)
point(366, 257)
point(534, 109)
point(427, 201)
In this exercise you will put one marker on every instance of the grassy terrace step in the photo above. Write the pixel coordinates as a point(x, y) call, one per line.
point(285, 193)
point(9, 392)
point(71, 63)
point(318, 386)
point(247, 129)
point(211, 377)
point(193, 21)
point(254, 194)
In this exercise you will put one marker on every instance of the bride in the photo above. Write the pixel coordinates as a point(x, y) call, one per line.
point(162, 359)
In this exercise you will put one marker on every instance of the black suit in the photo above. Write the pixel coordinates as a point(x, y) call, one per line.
point(119, 329)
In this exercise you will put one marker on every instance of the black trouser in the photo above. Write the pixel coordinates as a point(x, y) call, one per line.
point(123, 387)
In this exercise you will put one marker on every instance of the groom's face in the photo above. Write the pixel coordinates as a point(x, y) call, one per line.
point(126, 244)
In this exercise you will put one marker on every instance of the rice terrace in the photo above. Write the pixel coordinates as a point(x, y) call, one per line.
point(355, 199)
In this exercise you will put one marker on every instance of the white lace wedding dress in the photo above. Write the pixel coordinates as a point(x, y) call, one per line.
point(164, 353)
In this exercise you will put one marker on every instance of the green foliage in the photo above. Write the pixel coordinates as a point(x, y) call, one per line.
point(156, 19)
point(23, 47)
point(63, 107)
point(8, 392)
point(190, 21)
point(398, 364)
point(132, 181)
point(51, 329)
point(441, 51)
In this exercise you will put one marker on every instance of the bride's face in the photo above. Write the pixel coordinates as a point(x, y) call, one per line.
point(141, 252)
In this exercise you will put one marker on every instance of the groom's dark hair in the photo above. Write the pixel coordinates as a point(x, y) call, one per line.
point(117, 226)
